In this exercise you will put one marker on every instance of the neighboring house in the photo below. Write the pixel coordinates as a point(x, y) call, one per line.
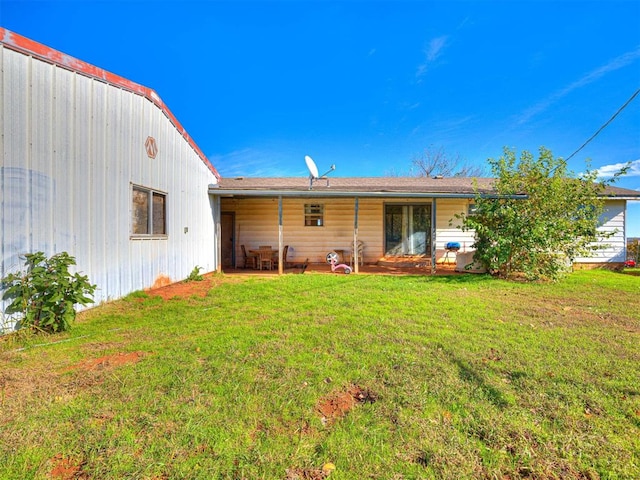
point(395, 217)
point(97, 166)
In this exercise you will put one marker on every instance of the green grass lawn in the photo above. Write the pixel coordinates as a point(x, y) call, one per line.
point(459, 377)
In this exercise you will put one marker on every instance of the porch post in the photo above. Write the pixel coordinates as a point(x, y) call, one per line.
point(433, 237)
point(218, 231)
point(355, 255)
point(280, 246)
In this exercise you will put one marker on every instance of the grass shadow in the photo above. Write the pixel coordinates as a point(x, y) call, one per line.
point(458, 279)
point(633, 272)
point(469, 374)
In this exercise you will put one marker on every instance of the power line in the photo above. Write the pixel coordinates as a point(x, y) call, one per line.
point(608, 122)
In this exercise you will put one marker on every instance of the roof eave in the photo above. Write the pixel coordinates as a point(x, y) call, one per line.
point(635, 198)
point(222, 192)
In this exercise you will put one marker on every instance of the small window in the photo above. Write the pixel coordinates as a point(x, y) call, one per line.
point(313, 215)
point(472, 208)
point(148, 212)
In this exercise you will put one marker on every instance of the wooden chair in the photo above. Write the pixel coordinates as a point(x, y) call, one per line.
point(265, 258)
point(360, 246)
point(285, 263)
point(360, 252)
point(251, 258)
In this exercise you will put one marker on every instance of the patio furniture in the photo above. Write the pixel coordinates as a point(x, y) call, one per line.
point(249, 258)
point(265, 257)
point(360, 247)
point(451, 247)
point(285, 263)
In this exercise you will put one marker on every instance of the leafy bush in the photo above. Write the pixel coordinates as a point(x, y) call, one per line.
point(543, 217)
point(195, 276)
point(45, 293)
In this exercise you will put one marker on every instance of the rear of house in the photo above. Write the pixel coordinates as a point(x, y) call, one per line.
point(97, 166)
point(396, 219)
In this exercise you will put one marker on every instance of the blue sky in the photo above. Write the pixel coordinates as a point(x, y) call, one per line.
point(368, 85)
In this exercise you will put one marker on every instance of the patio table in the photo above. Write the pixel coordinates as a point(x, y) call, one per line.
point(264, 254)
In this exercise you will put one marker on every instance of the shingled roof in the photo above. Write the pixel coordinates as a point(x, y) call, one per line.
point(464, 187)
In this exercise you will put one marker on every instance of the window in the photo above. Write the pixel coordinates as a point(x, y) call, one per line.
point(148, 212)
point(313, 215)
point(407, 229)
point(472, 208)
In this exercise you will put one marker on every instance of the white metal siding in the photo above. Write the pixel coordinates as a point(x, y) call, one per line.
point(447, 224)
point(72, 146)
point(613, 248)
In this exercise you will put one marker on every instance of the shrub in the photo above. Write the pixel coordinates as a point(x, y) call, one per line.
point(543, 217)
point(195, 276)
point(45, 293)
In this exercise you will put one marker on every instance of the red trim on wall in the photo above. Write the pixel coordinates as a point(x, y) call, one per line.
point(22, 44)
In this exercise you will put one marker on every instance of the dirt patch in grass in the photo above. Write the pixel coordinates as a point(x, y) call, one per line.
point(108, 361)
point(184, 289)
point(331, 409)
point(17, 385)
point(66, 469)
point(306, 474)
point(340, 403)
point(42, 382)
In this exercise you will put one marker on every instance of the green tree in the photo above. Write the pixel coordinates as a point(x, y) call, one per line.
point(542, 217)
point(45, 292)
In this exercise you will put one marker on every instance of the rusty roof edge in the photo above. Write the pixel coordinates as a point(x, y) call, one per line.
point(19, 43)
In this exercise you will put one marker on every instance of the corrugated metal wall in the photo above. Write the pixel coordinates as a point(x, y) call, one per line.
point(72, 146)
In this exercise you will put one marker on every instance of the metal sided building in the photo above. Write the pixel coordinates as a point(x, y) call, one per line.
point(97, 166)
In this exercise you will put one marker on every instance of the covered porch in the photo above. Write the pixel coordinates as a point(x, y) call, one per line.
point(378, 224)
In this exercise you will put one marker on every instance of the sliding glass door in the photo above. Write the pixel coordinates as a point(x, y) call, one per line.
point(407, 229)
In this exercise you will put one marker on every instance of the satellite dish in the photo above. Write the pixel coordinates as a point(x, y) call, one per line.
point(313, 171)
point(311, 165)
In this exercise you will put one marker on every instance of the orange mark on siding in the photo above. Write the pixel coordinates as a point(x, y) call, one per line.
point(161, 281)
